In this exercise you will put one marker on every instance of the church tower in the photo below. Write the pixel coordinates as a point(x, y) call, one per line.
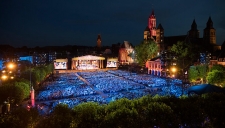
point(209, 35)
point(99, 41)
point(160, 37)
point(194, 32)
point(146, 33)
point(152, 24)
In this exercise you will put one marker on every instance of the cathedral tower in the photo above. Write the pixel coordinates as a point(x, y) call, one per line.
point(99, 41)
point(194, 32)
point(209, 35)
point(146, 33)
point(152, 24)
point(160, 37)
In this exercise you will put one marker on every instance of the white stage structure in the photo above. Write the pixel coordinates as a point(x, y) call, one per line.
point(87, 62)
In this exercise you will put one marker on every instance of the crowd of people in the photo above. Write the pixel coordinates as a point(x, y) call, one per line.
point(102, 87)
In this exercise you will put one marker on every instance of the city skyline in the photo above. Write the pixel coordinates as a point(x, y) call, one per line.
point(43, 23)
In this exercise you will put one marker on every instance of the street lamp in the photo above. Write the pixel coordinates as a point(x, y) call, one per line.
point(174, 70)
point(11, 66)
point(4, 77)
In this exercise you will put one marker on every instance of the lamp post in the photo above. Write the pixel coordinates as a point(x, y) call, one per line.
point(173, 70)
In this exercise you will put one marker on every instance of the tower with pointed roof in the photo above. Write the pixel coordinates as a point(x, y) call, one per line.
point(160, 37)
point(150, 30)
point(153, 33)
point(99, 41)
point(209, 35)
point(194, 32)
point(152, 24)
point(146, 33)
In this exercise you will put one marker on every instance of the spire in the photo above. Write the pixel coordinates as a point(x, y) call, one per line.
point(160, 27)
point(147, 29)
point(152, 15)
point(99, 40)
point(99, 37)
point(209, 23)
point(194, 25)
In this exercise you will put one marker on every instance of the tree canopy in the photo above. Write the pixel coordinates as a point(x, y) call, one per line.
point(216, 75)
point(158, 111)
point(184, 53)
point(146, 50)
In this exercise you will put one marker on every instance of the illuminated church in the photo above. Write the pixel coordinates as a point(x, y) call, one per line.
point(207, 43)
point(153, 32)
point(156, 33)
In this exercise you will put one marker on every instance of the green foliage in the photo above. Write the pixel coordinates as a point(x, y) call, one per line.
point(202, 69)
point(185, 55)
point(216, 77)
point(37, 74)
point(60, 118)
point(193, 74)
point(197, 72)
point(181, 49)
point(199, 111)
point(24, 84)
point(20, 118)
point(19, 89)
point(145, 51)
point(218, 67)
point(88, 115)
point(124, 118)
point(12, 93)
point(159, 114)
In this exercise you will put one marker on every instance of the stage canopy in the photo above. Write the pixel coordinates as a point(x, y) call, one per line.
point(87, 62)
point(89, 57)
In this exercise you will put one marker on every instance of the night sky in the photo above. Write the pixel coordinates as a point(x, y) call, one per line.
point(78, 22)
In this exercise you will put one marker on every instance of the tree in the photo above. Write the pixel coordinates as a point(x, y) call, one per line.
point(61, 117)
point(197, 73)
point(193, 74)
point(218, 67)
point(216, 77)
point(184, 54)
point(24, 84)
point(88, 115)
point(145, 51)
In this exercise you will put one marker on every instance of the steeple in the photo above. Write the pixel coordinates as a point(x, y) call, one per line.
point(209, 23)
point(99, 40)
point(160, 37)
point(160, 27)
point(153, 14)
point(209, 35)
point(194, 32)
point(152, 24)
point(194, 25)
point(146, 33)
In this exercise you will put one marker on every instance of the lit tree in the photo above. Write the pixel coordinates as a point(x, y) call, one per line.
point(146, 50)
point(216, 75)
point(185, 55)
point(193, 74)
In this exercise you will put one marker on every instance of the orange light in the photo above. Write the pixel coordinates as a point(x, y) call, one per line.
point(4, 77)
point(11, 65)
point(173, 69)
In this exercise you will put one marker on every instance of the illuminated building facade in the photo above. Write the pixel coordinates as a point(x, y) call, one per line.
point(125, 49)
point(154, 33)
point(207, 43)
